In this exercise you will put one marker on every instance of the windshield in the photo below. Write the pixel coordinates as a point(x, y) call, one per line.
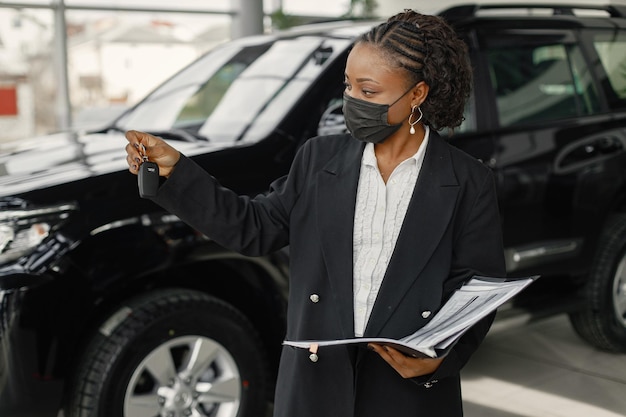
point(254, 81)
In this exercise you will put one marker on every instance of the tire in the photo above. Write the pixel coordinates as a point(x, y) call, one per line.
point(172, 353)
point(602, 323)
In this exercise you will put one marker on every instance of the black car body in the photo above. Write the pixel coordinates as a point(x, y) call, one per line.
point(95, 283)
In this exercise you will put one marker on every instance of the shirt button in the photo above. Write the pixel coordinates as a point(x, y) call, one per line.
point(314, 298)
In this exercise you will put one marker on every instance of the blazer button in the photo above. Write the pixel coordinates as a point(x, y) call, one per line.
point(313, 357)
point(430, 384)
point(314, 298)
point(426, 314)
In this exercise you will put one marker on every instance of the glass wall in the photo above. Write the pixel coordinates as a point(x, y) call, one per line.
point(27, 79)
point(114, 58)
point(112, 53)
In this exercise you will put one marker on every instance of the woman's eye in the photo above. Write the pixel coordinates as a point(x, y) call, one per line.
point(367, 93)
point(347, 86)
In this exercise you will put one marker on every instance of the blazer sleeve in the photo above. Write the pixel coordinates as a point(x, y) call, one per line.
point(478, 250)
point(251, 226)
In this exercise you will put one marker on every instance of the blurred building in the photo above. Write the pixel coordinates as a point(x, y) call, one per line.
point(113, 63)
point(17, 113)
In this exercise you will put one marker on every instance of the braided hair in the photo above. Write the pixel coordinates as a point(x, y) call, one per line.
point(429, 50)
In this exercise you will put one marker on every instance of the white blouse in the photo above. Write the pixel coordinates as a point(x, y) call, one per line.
point(379, 213)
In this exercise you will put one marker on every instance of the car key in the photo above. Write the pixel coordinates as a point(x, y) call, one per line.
point(148, 178)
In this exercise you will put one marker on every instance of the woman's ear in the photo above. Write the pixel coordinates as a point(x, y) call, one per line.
point(420, 92)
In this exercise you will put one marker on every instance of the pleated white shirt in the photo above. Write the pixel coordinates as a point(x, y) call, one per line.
point(379, 214)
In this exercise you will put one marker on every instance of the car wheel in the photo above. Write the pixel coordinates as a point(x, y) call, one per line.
point(603, 321)
point(172, 353)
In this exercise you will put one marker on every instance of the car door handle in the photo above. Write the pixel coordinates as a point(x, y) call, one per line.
point(586, 152)
point(608, 145)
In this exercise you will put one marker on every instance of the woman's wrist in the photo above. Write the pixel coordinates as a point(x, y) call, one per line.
point(167, 172)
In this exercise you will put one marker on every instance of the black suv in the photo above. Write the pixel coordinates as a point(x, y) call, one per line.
point(110, 306)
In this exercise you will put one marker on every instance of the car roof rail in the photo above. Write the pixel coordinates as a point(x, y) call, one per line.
point(467, 11)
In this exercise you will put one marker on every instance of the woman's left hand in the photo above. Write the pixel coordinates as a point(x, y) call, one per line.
point(406, 366)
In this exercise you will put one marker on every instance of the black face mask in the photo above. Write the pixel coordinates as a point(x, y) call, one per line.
point(368, 121)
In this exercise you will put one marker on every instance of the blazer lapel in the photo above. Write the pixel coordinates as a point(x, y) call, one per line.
point(429, 212)
point(336, 201)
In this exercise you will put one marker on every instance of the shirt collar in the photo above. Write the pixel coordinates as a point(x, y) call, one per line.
point(369, 156)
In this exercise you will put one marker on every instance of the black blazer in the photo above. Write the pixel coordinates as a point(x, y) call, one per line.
point(451, 231)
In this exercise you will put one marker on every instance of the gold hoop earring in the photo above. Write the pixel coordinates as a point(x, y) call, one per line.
point(412, 124)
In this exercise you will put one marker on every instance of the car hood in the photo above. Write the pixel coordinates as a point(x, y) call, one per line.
point(45, 161)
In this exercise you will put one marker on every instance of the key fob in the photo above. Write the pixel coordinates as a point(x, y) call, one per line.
point(148, 179)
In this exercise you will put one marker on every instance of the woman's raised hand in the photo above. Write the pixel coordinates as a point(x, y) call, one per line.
point(142, 145)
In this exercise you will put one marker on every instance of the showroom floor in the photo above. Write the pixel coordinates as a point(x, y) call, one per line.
point(543, 370)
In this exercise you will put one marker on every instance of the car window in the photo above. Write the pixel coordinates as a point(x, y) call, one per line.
point(538, 80)
point(611, 48)
point(302, 78)
point(274, 76)
point(179, 101)
point(231, 93)
point(202, 104)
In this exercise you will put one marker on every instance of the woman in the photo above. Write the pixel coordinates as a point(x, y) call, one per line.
point(382, 225)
